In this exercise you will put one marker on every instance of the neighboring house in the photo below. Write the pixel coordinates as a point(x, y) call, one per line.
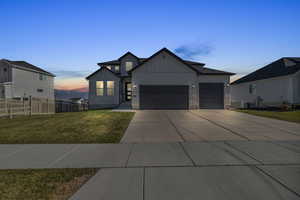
point(162, 81)
point(273, 85)
point(19, 79)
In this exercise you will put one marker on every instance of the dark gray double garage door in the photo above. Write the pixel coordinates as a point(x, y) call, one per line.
point(211, 95)
point(164, 97)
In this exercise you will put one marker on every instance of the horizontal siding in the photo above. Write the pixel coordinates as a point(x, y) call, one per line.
point(273, 91)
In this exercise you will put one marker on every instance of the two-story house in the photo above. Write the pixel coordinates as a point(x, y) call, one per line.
point(162, 81)
point(19, 79)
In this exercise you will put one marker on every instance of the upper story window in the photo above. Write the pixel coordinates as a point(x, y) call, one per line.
point(252, 89)
point(117, 68)
point(110, 88)
point(42, 77)
point(128, 66)
point(99, 88)
point(108, 67)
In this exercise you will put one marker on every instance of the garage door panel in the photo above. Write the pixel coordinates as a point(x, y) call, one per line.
point(164, 97)
point(211, 95)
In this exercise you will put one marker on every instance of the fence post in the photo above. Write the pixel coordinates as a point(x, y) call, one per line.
point(5, 107)
point(47, 106)
point(10, 111)
point(30, 105)
point(24, 107)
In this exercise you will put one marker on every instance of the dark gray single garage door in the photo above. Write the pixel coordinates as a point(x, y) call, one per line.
point(211, 95)
point(164, 97)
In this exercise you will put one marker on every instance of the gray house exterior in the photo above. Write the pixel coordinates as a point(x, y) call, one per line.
point(19, 79)
point(270, 86)
point(162, 81)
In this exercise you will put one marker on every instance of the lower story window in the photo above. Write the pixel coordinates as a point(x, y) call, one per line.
point(110, 88)
point(99, 88)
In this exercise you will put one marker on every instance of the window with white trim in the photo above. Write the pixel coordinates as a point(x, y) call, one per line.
point(99, 88)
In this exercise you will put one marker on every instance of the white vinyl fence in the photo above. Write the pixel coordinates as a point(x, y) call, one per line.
point(29, 106)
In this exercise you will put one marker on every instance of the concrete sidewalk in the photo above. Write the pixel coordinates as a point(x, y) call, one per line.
point(149, 155)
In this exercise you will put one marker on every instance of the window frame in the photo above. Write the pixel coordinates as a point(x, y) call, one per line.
point(126, 67)
point(100, 89)
point(110, 91)
point(117, 67)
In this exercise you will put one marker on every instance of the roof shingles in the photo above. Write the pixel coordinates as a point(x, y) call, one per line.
point(29, 66)
point(274, 69)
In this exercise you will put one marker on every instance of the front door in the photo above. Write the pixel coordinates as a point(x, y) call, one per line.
point(128, 91)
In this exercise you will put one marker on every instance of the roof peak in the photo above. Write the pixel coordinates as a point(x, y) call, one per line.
point(128, 53)
point(164, 49)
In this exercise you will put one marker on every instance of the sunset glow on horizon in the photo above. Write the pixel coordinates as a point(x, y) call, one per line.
point(79, 84)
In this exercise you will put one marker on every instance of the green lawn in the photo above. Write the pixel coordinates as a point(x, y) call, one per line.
point(292, 116)
point(54, 184)
point(77, 127)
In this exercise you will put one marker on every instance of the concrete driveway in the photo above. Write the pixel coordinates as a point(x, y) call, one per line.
point(150, 126)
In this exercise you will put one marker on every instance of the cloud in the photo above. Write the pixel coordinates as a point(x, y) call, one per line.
point(70, 74)
point(192, 51)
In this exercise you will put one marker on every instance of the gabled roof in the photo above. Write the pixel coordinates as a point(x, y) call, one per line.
point(195, 66)
point(128, 53)
point(275, 69)
point(117, 62)
point(101, 69)
point(29, 66)
point(170, 53)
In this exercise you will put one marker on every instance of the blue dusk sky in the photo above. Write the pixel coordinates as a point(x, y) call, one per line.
point(68, 37)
